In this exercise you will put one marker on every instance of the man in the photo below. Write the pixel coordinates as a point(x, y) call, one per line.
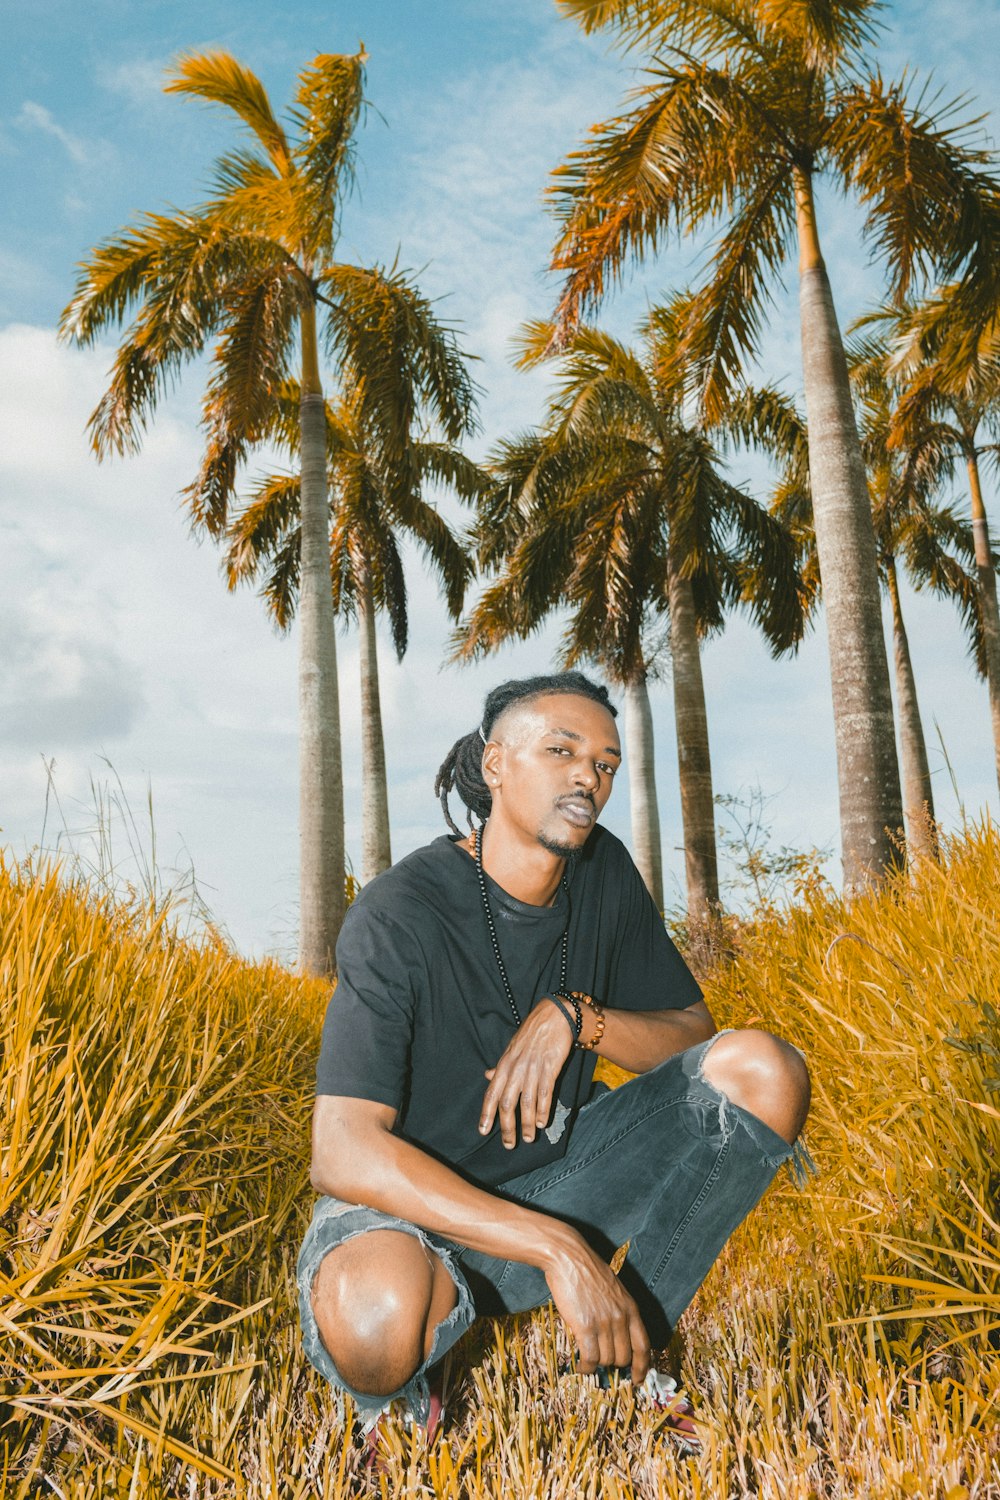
point(465, 1163)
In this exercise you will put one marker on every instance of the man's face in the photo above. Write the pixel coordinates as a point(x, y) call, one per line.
point(550, 765)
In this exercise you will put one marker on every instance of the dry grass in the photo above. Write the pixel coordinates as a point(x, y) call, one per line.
point(154, 1099)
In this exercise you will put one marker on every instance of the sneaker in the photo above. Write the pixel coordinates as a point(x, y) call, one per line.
point(659, 1393)
point(375, 1427)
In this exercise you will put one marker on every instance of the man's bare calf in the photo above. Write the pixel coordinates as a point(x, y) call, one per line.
point(377, 1300)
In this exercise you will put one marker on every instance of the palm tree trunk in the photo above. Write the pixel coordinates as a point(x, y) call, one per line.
point(871, 811)
point(321, 787)
point(694, 763)
point(918, 798)
point(375, 852)
point(642, 787)
point(987, 599)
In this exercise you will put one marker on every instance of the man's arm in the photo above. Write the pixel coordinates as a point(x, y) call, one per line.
point(525, 1076)
point(641, 1039)
point(357, 1158)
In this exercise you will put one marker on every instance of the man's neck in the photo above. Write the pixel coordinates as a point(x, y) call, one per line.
point(526, 871)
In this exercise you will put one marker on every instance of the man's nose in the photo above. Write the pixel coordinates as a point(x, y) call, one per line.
point(585, 775)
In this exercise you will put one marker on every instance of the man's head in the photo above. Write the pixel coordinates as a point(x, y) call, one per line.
point(542, 758)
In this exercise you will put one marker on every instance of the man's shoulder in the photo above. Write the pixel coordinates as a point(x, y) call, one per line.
point(604, 853)
point(424, 877)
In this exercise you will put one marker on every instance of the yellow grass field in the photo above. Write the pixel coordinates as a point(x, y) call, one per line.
point(154, 1105)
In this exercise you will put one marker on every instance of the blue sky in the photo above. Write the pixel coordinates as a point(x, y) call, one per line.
point(120, 644)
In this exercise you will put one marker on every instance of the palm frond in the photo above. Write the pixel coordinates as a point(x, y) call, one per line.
point(708, 24)
point(184, 288)
point(385, 335)
point(448, 465)
point(628, 187)
point(772, 592)
point(184, 265)
point(329, 102)
point(823, 32)
point(442, 550)
point(219, 78)
point(115, 277)
point(507, 500)
point(928, 542)
point(392, 595)
point(260, 530)
point(500, 615)
point(280, 589)
point(240, 172)
point(928, 200)
point(764, 418)
point(251, 358)
point(726, 314)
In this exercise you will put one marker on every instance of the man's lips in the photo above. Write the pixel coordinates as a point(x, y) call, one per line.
point(579, 811)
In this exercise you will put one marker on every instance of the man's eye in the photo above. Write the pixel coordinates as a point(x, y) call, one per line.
point(603, 766)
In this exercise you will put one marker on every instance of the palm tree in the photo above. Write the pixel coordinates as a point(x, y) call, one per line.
point(943, 419)
point(252, 269)
point(748, 103)
point(374, 496)
point(617, 510)
point(937, 548)
point(931, 542)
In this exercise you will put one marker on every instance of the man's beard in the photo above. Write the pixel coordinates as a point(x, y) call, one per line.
point(564, 851)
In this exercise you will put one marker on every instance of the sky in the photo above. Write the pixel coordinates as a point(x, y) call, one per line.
point(140, 697)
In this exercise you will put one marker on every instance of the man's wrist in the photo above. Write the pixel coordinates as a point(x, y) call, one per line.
point(559, 1242)
point(561, 1007)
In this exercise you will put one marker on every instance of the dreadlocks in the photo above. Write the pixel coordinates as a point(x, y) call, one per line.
point(461, 770)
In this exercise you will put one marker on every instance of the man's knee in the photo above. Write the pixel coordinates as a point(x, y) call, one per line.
point(764, 1075)
point(377, 1299)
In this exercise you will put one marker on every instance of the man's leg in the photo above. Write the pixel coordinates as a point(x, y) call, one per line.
point(672, 1162)
point(378, 1300)
point(743, 1128)
point(764, 1075)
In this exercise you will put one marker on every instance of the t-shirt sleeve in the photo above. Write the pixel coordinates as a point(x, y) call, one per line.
point(368, 1030)
point(648, 972)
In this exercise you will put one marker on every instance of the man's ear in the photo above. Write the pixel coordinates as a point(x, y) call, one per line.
point(491, 763)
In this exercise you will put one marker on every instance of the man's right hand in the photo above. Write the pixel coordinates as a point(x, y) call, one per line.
point(600, 1314)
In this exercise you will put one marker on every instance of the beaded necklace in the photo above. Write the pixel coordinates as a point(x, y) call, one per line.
point(477, 841)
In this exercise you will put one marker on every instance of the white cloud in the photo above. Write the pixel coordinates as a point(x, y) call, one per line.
point(34, 116)
point(140, 81)
point(21, 277)
point(60, 684)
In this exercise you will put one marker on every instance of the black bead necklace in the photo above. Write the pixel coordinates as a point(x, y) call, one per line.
point(477, 841)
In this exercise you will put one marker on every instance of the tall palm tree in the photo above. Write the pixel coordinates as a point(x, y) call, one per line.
point(747, 104)
point(938, 551)
point(252, 269)
point(943, 419)
point(617, 511)
point(374, 497)
point(929, 541)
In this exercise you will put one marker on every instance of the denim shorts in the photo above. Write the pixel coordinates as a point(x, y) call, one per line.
point(665, 1161)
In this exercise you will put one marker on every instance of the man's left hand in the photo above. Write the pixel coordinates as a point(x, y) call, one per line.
point(526, 1074)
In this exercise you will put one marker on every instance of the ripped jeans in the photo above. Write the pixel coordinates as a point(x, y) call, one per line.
point(665, 1162)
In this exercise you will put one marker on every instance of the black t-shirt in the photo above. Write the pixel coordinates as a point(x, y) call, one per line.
point(419, 1012)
